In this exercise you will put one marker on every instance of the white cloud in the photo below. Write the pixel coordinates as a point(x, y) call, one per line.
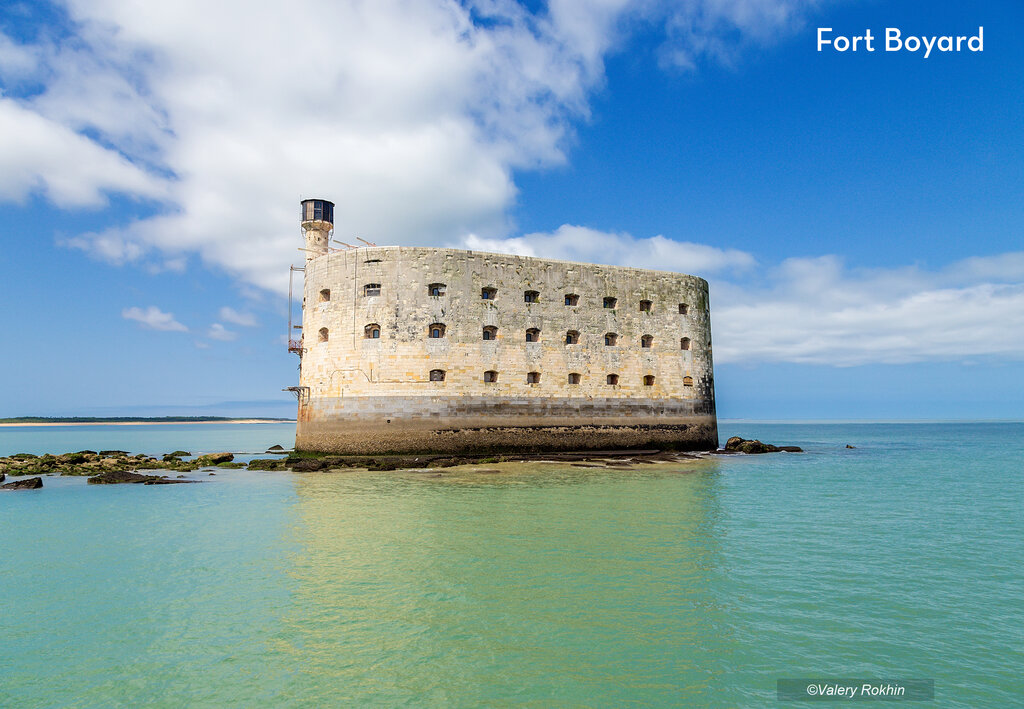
point(577, 243)
point(410, 115)
point(237, 318)
point(814, 310)
point(37, 153)
point(154, 318)
point(219, 332)
point(719, 30)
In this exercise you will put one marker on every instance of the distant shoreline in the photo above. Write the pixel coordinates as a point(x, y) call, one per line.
point(12, 424)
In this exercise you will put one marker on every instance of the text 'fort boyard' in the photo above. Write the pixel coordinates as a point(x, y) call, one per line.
point(895, 40)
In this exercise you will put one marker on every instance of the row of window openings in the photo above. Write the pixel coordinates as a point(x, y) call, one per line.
point(572, 337)
point(491, 377)
point(530, 296)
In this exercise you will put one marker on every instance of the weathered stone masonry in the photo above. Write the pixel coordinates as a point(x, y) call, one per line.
point(368, 354)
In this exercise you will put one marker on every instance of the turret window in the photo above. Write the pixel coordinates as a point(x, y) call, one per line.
point(645, 306)
point(490, 376)
point(325, 295)
point(437, 375)
point(533, 335)
point(371, 289)
point(683, 308)
point(574, 378)
point(436, 289)
point(649, 380)
point(646, 341)
point(684, 344)
point(572, 337)
point(324, 334)
point(612, 379)
point(531, 296)
point(533, 377)
point(610, 302)
point(490, 333)
point(572, 299)
point(611, 339)
point(436, 330)
point(687, 381)
point(488, 293)
point(371, 331)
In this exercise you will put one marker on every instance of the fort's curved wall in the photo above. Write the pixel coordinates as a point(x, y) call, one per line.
point(375, 395)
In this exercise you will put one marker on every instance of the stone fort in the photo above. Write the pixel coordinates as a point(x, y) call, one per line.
point(408, 350)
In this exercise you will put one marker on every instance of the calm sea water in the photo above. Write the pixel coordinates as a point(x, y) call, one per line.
point(687, 585)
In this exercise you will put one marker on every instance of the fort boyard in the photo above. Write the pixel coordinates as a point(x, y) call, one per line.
point(409, 350)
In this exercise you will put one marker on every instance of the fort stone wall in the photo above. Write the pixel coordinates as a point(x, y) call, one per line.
point(441, 350)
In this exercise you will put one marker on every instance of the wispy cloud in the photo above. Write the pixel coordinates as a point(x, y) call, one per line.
point(154, 319)
point(219, 332)
point(815, 310)
point(228, 314)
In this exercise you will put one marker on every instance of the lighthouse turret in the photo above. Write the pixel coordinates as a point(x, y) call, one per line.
point(317, 225)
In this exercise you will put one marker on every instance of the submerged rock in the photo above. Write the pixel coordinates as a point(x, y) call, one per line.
point(118, 477)
point(29, 484)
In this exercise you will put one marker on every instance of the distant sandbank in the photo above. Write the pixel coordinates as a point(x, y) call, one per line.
point(141, 423)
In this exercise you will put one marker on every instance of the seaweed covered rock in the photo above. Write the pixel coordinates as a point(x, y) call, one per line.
point(118, 477)
point(214, 459)
point(267, 464)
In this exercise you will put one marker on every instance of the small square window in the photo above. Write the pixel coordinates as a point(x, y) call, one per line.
point(572, 299)
point(610, 302)
point(645, 306)
point(325, 295)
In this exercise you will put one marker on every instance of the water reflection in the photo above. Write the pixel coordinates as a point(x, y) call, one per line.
point(541, 583)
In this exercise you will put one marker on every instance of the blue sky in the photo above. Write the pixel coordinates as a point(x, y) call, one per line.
point(857, 215)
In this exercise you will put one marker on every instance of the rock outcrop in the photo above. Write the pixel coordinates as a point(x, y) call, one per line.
point(754, 446)
point(29, 484)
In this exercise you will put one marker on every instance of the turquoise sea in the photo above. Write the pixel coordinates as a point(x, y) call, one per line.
point(695, 585)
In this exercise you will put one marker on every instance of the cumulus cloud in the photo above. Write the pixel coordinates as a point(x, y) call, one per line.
point(219, 332)
point(412, 116)
point(235, 317)
point(578, 243)
point(154, 319)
